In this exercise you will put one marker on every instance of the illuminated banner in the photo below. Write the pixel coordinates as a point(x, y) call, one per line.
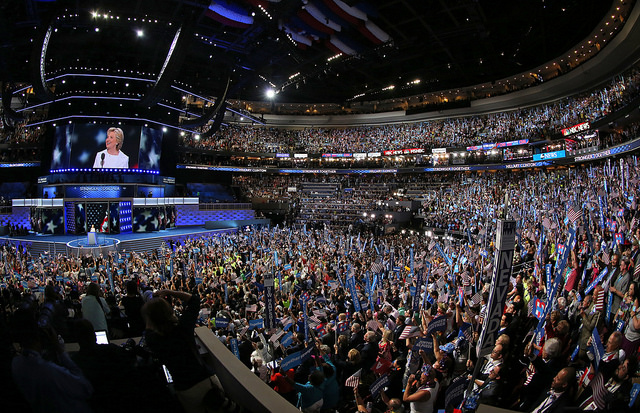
point(300, 155)
point(512, 143)
point(99, 191)
point(374, 154)
point(483, 147)
point(359, 155)
point(439, 150)
point(282, 155)
point(549, 155)
point(576, 128)
point(403, 151)
point(337, 155)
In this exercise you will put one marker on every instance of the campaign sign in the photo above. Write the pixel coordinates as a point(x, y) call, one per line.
point(234, 347)
point(379, 385)
point(257, 323)
point(423, 343)
point(296, 358)
point(455, 391)
point(286, 340)
point(269, 302)
point(437, 324)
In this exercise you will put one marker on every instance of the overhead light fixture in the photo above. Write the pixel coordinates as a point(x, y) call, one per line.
point(270, 93)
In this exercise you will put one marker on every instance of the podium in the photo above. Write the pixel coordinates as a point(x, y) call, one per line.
point(91, 238)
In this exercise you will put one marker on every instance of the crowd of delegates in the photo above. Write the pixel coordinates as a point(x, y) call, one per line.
point(17, 133)
point(388, 320)
point(535, 123)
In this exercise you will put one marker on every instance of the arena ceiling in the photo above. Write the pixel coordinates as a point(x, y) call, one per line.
point(309, 51)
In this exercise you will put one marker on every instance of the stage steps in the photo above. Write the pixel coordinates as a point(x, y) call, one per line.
point(141, 245)
point(40, 247)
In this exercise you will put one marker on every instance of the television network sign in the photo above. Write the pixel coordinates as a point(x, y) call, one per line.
point(549, 155)
point(576, 128)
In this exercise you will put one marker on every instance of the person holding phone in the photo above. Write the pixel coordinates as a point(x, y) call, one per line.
point(112, 156)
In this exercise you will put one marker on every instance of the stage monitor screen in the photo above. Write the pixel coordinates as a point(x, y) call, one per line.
point(92, 146)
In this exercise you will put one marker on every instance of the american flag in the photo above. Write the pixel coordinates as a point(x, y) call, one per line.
point(546, 222)
point(377, 267)
point(575, 214)
point(530, 306)
point(409, 331)
point(476, 299)
point(599, 300)
point(354, 380)
point(466, 280)
point(314, 321)
point(636, 270)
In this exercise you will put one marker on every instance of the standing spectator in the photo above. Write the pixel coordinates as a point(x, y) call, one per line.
point(95, 308)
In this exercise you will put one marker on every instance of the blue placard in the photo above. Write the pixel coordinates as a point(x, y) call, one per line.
point(286, 340)
point(423, 343)
point(635, 390)
point(221, 322)
point(437, 324)
point(378, 385)
point(257, 323)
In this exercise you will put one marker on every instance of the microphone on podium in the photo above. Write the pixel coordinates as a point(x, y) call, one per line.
point(102, 160)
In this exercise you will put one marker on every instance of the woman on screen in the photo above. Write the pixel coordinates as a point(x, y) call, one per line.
point(112, 157)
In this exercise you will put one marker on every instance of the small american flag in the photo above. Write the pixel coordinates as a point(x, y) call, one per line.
point(314, 321)
point(598, 300)
point(636, 270)
point(409, 331)
point(606, 257)
point(466, 280)
point(377, 267)
point(546, 222)
point(354, 380)
point(476, 299)
point(575, 214)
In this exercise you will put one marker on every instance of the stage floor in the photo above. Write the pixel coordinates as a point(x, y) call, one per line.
point(171, 233)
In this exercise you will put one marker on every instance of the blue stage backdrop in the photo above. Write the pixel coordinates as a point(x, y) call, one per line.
point(146, 219)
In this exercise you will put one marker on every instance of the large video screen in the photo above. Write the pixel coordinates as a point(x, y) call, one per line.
point(92, 146)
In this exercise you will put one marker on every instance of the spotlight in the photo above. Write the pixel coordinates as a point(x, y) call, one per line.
point(271, 93)
point(139, 33)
